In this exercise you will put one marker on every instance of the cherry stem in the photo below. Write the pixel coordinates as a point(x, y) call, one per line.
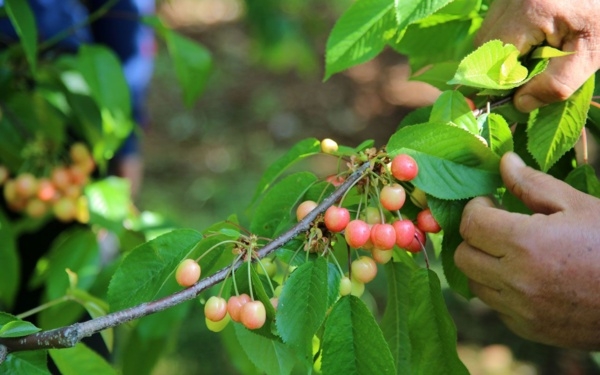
point(69, 336)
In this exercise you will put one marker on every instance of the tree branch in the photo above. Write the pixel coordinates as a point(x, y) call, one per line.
point(66, 337)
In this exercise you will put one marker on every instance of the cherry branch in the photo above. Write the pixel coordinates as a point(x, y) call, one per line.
point(69, 336)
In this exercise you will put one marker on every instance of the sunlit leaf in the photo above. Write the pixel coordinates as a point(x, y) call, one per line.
point(547, 52)
point(494, 65)
point(359, 34)
point(270, 356)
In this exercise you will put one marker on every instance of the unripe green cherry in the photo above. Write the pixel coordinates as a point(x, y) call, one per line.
point(364, 269)
point(358, 288)
point(345, 286)
point(392, 197)
point(381, 256)
point(217, 326)
point(267, 265)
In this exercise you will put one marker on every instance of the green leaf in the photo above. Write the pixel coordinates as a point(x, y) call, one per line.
point(496, 132)
point(554, 129)
point(452, 108)
point(274, 211)
point(30, 363)
point(9, 258)
point(193, 62)
point(438, 75)
point(80, 360)
point(109, 202)
point(448, 214)
point(491, 66)
point(23, 21)
point(583, 178)
point(394, 323)
point(408, 12)
point(143, 272)
point(301, 150)
point(462, 165)
point(353, 342)
point(426, 43)
point(360, 34)
point(17, 328)
point(302, 305)
point(547, 52)
point(104, 76)
point(96, 308)
point(431, 329)
point(270, 356)
point(333, 284)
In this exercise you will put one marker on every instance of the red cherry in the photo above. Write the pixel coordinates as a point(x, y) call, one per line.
point(253, 315)
point(405, 232)
point(415, 245)
point(404, 167)
point(357, 233)
point(427, 223)
point(336, 218)
point(383, 236)
point(235, 304)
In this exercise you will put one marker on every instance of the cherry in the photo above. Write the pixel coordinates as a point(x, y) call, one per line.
point(268, 266)
point(404, 167)
point(381, 256)
point(235, 304)
point(77, 175)
point(405, 232)
point(304, 208)
point(383, 236)
point(371, 215)
point(253, 315)
point(364, 269)
point(337, 218)
point(46, 191)
point(419, 198)
point(215, 309)
point(415, 245)
point(427, 223)
point(60, 177)
point(217, 326)
point(392, 197)
point(335, 180)
point(36, 208)
point(79, 152)
point(65, 209)
point(26, 185)
point(4, 173)
point(345, 286)
point(329, 146)
point(357, 233)
point(358, 287)
point(187, 273)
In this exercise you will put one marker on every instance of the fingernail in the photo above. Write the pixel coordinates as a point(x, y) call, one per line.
point(527, 103)
point(513, 159)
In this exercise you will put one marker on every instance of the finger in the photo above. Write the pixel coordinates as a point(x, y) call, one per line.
point(563, 76)
point(478, 266)
point(491, 229)
point(491, 297)
point(540, 192)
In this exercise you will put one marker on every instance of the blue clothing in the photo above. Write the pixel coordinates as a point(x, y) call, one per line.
point(120, 29)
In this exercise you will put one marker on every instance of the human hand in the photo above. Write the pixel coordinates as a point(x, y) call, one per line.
point(569, 26)
point(540, 272)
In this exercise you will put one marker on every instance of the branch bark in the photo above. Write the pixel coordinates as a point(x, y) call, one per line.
point(69, 336)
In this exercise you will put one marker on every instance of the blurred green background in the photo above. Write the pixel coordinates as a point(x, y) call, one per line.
point(266, 93)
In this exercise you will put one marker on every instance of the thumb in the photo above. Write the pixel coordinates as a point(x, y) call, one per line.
point(558, 82)
point(540, 192)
